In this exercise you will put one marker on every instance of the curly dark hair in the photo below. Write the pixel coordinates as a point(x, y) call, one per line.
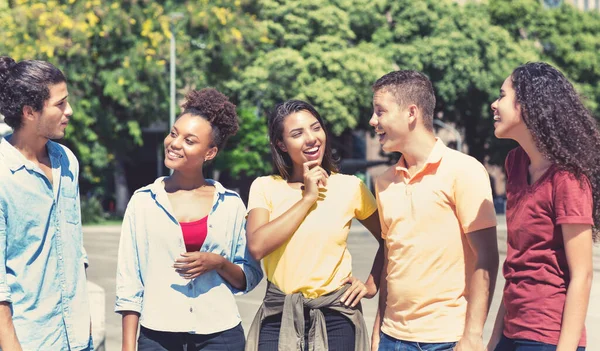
point(25, 84)
point(282, 163)
point(214, 107)
point(562, 128)
point(410, 87)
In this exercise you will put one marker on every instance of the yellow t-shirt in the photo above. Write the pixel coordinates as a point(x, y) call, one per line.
point(315, 259)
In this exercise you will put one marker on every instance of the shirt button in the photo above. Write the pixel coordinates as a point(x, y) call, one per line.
point(191, 309)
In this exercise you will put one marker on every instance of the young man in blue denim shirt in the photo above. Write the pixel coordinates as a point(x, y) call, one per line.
point(43, 294)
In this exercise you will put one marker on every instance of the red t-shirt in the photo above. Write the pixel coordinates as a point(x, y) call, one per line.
point(536, 270)
point(194, 234)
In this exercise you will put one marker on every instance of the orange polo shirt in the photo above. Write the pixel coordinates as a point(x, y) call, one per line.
point(424, 219)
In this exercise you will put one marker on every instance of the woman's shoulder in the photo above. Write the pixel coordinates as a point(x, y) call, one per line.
point(565, 177)
point(152, 188)
point(268, 179)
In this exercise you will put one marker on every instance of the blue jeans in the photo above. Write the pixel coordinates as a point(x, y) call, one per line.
point(229, 340)
point(507, 344)
point(387, 343)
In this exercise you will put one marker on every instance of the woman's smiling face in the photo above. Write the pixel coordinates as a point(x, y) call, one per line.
point(189, 144)
point(303, 138)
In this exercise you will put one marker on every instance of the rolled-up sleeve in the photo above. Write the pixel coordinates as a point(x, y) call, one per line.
point(130, 286)
point(4, 288)
point(241, 256)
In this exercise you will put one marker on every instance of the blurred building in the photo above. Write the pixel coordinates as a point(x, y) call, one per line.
point(585, 5)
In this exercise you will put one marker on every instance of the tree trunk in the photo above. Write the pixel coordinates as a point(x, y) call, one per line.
point(121, 189)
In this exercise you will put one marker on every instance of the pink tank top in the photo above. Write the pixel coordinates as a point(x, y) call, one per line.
point(194, 233)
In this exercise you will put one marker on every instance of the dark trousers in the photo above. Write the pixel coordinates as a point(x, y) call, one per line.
point(340, 331)
point(228, 340)
point(507, 344)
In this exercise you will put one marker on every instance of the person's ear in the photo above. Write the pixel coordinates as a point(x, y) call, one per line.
point(29, 113)
point(282, 146)
point(413, 111)
point(211, 153)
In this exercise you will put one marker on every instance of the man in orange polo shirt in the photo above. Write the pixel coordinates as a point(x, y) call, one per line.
point(439, 225)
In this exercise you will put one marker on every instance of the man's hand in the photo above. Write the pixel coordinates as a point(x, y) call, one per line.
point(8, 335)
point(193, 264)
point(470, 343)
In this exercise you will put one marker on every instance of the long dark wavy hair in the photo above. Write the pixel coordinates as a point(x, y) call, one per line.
point(562, 128)
point(282, 163)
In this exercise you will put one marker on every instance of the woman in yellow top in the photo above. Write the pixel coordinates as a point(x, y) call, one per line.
point(298, 222)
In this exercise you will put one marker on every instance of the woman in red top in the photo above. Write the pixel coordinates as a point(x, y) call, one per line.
point(552, 214)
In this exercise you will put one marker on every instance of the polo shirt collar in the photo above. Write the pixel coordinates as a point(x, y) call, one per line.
point(434, 158)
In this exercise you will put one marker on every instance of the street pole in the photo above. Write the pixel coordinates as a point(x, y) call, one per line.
point(172, 78)
point(173, 17)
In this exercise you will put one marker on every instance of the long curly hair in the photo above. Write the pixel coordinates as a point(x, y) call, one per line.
point(562, 128)
point(214, 107)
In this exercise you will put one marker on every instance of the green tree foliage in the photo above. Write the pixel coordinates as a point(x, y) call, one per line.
point(113, 56)
point(247, 152)
point(564, 36)
point(312, 52)
point(261, 52)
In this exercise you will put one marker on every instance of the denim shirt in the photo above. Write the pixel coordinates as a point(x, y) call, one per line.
point(151, 241)
point(43, 260)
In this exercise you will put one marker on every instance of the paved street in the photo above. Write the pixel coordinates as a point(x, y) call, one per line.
point(102, 243)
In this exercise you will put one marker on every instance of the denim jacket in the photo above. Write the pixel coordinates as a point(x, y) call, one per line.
point(151, 241)
point(42, 269)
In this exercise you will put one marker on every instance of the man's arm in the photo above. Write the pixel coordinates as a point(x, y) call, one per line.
point(8, 335)
point(374, 227)
point(375, 339)
point(498, 328)
point(481, 286)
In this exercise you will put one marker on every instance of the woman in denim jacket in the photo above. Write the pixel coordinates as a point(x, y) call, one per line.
point(182, 254)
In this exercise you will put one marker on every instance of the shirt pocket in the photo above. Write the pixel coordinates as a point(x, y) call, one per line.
point(70, 207)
